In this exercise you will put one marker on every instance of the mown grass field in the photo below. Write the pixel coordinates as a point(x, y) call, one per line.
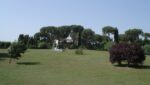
point(46, 67)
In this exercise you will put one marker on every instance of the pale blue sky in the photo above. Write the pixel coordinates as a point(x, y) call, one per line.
point(28, 16)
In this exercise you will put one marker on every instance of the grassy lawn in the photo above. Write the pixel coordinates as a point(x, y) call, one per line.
point(46, 67)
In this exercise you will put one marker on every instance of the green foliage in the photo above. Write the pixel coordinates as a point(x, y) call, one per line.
point(111, 30)
point(108, 45)
point(16, 49)
point(79, 51)
point(43, 45)
point(88, 34)
point(147, 49)
point(24, 39)
point(4, 45)
point(116, 35)
point(77, 29)
point(108, 30)
point(133, 34)
point(98, 38)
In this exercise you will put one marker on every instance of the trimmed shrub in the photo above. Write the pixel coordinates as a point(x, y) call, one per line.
point(133, 54)
point(147, 49)
point(79, 51)
point(43, 45)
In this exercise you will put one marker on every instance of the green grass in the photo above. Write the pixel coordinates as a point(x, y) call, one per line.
point(46, 67)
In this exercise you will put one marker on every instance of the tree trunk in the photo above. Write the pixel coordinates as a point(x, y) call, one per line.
point(79, 40)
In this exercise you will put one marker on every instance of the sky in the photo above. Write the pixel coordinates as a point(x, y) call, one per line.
point(28, 16)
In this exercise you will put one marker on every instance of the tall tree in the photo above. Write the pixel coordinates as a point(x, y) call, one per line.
point(88, 34)
point(133, 34)
point(111, 30)
point(51, 32)
point(116, 35)
point(78, 30)
point(107, 30)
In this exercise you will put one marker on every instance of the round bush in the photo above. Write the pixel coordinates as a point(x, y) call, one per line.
point(79, 51)
point(147, 49)
point(43, 45)
point(133, 54)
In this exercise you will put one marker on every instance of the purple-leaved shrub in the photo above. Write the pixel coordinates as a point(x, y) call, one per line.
point(133, 54)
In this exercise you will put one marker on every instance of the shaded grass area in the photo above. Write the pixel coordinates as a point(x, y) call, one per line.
point(46, 67)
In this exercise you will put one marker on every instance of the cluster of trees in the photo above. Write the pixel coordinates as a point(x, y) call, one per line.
point(84, 37)
point(46, 36)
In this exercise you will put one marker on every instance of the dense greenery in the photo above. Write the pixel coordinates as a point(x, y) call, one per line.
point(84, 37)
point(147, 49)
point(133, 54)
point(4, 45)
point(43, 45)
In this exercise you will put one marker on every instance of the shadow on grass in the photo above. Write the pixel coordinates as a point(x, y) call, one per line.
point(28, 63)
point(134, 66)
point(141, 67)
point(4, 56)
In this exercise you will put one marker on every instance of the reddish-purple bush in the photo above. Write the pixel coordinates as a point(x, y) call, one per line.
point(133, 54)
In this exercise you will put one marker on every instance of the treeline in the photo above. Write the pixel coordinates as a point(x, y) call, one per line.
point(83, 37)
point(4, 45)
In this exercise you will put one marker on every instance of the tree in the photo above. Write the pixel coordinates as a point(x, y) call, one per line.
point(98, 38)
point(37, 37)
point(52, 31)
point(78, 30)
point(132, 35)
point(108, 30)
point(64, 32)
point(146, 35)
point(4, 45)
point(116, 35)
point(24, 39)
point(122, 37)
point(31, 43)
point(88, 34)
point(15, 50)
point(111, 30)
point(88, 38)
point(146, 40)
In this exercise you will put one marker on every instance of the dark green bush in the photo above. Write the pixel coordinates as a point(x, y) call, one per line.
point(43, 45)
point(4, 45)
point(79, 51)
point(147, 49)
point(133, 54)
